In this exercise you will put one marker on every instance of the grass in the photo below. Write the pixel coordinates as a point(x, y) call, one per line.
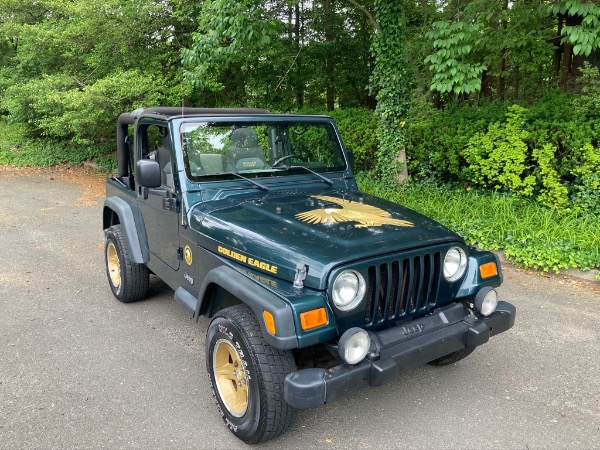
point(529, 234)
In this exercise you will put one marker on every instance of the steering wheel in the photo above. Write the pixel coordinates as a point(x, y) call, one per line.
point(280, 160)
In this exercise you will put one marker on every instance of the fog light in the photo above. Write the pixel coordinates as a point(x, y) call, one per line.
point(486, 301)
point(354, 345)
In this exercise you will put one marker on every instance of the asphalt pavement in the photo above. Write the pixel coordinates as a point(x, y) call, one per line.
point(78, 369)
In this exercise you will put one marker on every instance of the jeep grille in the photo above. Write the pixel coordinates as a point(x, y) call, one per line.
point(402, 287)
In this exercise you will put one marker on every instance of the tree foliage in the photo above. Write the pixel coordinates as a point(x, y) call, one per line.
point(73, 66)
point(68, 68)
point(229, 34)
point(584, 34)
point(449, 62)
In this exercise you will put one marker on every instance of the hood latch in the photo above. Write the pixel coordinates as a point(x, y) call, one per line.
point(301, 271)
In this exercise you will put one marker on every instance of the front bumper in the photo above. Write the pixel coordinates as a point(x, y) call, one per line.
point(401, 348)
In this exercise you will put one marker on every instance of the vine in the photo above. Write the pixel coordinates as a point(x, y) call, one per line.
point(390, 82)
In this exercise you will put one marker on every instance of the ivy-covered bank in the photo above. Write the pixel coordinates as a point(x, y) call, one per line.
point(529, 234)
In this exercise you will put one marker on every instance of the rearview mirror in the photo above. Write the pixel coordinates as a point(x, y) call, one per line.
point(350, 158)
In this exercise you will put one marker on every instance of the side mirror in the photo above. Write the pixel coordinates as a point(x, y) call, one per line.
point(148, 173)
point(350, 158)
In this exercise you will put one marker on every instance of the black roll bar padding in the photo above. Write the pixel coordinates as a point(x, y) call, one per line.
point(179, 111)
point(123, 123)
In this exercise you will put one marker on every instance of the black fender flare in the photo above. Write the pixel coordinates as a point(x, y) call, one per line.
point(258, 299)
point(132, 223)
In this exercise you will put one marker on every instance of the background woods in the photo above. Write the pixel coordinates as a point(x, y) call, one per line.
point(491, 93)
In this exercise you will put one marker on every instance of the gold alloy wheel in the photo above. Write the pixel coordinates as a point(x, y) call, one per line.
point(114, 267)
point(230, 376)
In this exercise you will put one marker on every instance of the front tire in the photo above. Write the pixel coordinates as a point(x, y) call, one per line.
point(128, 281)
point(247, 376)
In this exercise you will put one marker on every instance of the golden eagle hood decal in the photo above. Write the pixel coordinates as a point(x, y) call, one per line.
point(365, 215)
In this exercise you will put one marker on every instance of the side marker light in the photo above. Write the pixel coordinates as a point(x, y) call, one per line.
point(269, 321)
point(313, 318)
point(488, 270)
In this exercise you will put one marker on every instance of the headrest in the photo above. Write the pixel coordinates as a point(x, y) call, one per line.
point(244, 137)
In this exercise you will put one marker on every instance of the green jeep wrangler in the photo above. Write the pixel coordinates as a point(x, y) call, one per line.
point(315, 289)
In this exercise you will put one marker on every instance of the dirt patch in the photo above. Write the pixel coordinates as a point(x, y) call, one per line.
point(90, 181)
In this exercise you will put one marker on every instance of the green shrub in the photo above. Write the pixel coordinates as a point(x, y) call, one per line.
point(588, 104)
point(551, 193)
point(57, 107)
point(554, 120)
point(537, 152)
point(36, 102)
point(498, 159)
point(358, 128)
point(438, 138)
point(586, 188)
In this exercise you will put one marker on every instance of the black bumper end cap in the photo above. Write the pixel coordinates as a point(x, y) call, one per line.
point(478, 334)
point(305, 388)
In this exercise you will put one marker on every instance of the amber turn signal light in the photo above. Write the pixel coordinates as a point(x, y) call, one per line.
point(269, 322)
point(488, 270)
point(313, 318)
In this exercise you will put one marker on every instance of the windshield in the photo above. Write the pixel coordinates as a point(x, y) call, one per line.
point(259, 149)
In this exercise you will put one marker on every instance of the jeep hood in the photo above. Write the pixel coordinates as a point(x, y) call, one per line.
point(273, 233)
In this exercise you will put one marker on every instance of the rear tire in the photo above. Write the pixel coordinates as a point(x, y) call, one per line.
point(247, 376)
point(453, 357)
point(128, 281)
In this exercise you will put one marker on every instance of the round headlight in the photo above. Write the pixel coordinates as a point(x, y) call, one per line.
point(348, 290)
point(455, 264)
point(486, 301)
point(354, 345)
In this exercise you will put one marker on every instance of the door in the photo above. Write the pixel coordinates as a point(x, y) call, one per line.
point(159, 206)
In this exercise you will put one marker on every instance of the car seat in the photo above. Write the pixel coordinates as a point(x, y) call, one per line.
point(244, 152)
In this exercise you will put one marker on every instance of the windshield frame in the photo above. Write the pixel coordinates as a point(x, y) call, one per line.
point(279, 171)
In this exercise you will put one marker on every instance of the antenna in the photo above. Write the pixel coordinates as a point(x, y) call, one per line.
point(182, 94)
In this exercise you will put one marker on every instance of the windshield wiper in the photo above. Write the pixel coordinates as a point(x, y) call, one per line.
point(219, 174)
point(255, 183)
point(325, 179)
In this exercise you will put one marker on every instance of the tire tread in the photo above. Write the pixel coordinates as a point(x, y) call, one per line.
point(135, 278)
point(273, 365)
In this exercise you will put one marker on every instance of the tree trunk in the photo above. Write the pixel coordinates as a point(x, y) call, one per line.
point(566, 64)
point(391, 81)
point(502, 67)
point(299, 85)
point(501, 80)
point(402, 175)
point(487, 81)
point(329, 62)
point(569, 63)
point(558, 47)
point(425, 8)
